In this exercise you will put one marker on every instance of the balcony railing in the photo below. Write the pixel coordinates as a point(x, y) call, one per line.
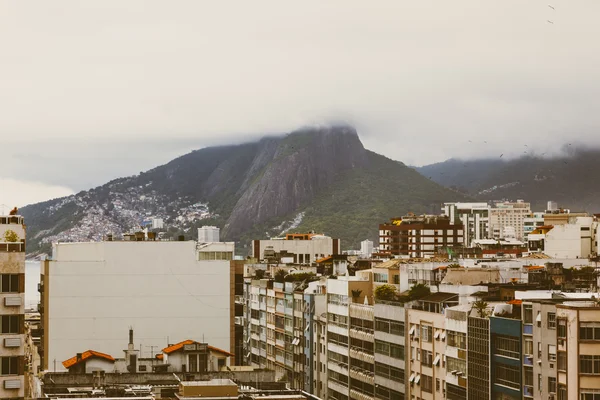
point(10, 247)
point(357, 333)
point(356, 395)
point(358, 354)
point(362, 376)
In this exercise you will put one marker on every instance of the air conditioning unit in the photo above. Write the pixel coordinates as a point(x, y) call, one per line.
point(12, 342)
point(12, 301)
point(12, 384)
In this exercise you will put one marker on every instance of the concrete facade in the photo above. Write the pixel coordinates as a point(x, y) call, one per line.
point(12, 306)
point(92, 293)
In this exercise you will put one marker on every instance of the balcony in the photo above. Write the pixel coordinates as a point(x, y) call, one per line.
point(356, 395)
point(357, 333)
point(358, 354)
point(363, 376)
point(10, 247)
point(361, 311)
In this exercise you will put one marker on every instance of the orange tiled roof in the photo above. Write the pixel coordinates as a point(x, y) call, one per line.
point(534, 267)
point(321, 260)
point(175, 347)
point(159, 356)
point(84, 356)
point(515, 302)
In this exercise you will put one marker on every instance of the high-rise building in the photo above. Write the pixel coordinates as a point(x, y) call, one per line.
point(366, 248)
point(419, 236)
point(507, 219)
point(168, 291)
point(473, 216)
point(12, 323)
point(577, 352)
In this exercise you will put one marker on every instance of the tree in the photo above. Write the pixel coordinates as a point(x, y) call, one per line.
point(385, 292)
point(11, 236)
point(418, 291)
point(356, 293)
point(259, 273)
point(454, 265)
point(280, 275)
point(481, 307)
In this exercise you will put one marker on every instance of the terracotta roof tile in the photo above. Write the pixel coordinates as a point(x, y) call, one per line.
point(175, 347)
point(84, 356)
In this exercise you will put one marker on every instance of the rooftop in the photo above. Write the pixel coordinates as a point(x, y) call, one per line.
point(85, 356)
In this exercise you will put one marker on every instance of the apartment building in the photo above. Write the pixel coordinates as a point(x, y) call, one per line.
point(301, 248)
point(539, 349)
point(475, 217)
point(12, 307)
point(532, 222)
point(478, 355)
point(418, 236)
point(350, 368)
point(426, 346)
point(168, 291)
point(507, 219)
point(506, 338)
point(275, 328)
point(390, 353)
point(578, 351)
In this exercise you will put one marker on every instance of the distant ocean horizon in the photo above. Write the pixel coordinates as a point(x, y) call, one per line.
point(32, 278)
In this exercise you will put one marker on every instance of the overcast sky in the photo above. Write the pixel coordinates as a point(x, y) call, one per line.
point(94, 90)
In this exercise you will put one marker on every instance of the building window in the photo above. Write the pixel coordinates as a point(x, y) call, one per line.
point(508, 375)
point(561, 331)
point(551, 352)
point(589, 330)
point(457, 339)
point(427, 383)
point(551, 385)
point(507, 346)
point(142, 368)
point(455, 364)
point(527, 314)
point(426, 333)
point(589, 394)
point(551, 320)
point(11, 324)
point(9, 366)
point(562, 361)
point(426, 358)
point(589, 364)
point(381, 278)
point(9, 283)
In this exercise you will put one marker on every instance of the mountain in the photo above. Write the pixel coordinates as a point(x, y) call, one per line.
point(320, 179)
point(570, 179)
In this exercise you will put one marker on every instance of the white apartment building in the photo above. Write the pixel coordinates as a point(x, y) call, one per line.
point(508, 218)
point(303, 248)
point(574, 239)
point(12, 297)
point(474, 217)
point(168, 292)
point(366, 248)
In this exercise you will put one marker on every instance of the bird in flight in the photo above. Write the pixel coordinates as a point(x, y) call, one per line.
point(550, 22)
point(551, 7)
point(501, 155)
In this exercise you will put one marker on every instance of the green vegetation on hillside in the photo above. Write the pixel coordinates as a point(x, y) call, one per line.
point(354, 206)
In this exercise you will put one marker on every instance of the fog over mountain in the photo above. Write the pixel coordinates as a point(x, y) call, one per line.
point(145, 81)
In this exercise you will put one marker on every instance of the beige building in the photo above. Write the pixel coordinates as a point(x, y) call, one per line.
point(578, 351)
point(12, 303)
point(507, 219)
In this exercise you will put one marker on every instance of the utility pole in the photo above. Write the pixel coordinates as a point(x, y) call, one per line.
point(151, 351)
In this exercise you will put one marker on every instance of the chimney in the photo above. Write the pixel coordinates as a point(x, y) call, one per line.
point(79, 356)
point(130, 345)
